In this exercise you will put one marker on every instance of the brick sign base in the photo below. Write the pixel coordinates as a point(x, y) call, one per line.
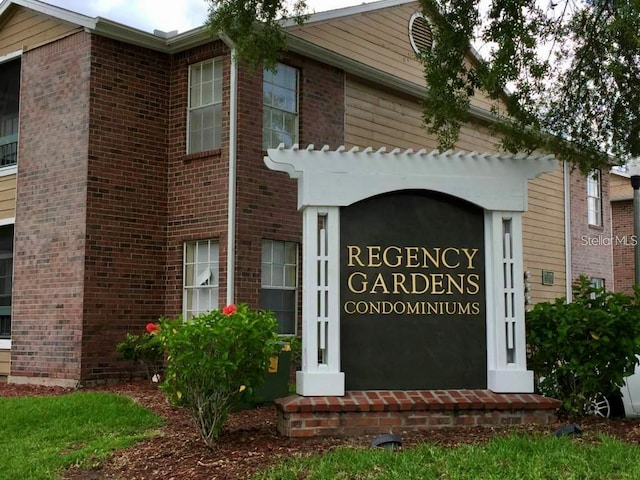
point(379, 412)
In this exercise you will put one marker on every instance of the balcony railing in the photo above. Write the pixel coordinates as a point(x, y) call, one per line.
point(9, 150)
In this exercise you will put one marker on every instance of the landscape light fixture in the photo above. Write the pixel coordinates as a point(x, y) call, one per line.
point(388, 440)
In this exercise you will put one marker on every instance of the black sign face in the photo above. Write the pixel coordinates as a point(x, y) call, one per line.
point(412, 293)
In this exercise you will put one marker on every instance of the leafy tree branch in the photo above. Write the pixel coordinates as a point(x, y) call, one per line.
point(255, 27)
point(573, 70)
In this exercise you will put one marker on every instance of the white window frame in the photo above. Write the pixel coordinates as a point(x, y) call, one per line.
point(195, 104)
point(594, 198)
point(271, 279)
point(10, 169)
point(200, 276)
point(5, 343)
point(271, 107)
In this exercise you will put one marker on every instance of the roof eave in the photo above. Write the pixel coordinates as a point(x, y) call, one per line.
point(118, 31)
point(172, 44)
point(346, 11)
point(51, 10)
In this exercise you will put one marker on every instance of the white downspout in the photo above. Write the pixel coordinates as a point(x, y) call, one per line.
point(233, 148)
point(567, 231)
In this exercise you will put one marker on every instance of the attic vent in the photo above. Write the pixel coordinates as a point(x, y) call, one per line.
point(420, 33)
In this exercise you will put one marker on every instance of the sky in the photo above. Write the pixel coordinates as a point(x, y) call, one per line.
point(166, 15)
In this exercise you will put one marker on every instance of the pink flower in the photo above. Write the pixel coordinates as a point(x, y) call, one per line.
point(229, 310)
point(152, 328)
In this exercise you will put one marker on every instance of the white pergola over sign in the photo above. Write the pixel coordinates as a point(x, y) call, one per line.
point(330, 179)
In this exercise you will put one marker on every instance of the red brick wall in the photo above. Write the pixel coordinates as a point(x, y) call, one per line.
point(623, 250)
point(126, 200)
point(381, 412)
point(91, 209)
point(198, 183)
point(267, 200)
point(107, 195)
point(591, 247)
point(50, 229)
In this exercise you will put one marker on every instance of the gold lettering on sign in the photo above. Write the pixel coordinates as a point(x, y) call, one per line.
point(414, 283)
point(354, 254)
point(411, 308)
point(418, 271)
point(388, 255)
point(362, 284)
point(410, 257)
point(374, 257)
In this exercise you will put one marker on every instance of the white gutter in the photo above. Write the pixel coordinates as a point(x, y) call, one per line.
point(567, 232)
point(233, 147)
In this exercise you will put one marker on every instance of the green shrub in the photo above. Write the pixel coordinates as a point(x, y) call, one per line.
point(583, 348)
point(215, 359)
point(145, 349)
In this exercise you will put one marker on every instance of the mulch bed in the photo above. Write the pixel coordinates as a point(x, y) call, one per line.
point(250, 441)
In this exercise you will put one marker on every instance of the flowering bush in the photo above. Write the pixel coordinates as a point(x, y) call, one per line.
point(152, 328)
point(145, 349)
point(229, 310)
point(215, 359)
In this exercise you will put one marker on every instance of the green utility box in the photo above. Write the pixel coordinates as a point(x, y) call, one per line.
point(276, 383)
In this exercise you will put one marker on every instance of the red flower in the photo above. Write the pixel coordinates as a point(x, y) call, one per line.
point(229, 310)
point(152, 328)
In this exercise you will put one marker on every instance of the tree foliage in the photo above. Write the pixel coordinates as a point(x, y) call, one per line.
point(255, 26)
point(572, 70)
point(571, 67)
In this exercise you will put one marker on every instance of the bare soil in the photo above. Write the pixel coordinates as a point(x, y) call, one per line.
point(250, 441)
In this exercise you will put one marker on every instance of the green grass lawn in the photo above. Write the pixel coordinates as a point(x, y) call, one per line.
point(511, 458)
point(39, 436)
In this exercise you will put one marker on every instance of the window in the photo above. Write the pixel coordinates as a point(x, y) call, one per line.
point(204, 120)
point(6, 281)
point(594, 198)
point(280, 112)
point(9, 102)
point(200, 277)
point(280, 282)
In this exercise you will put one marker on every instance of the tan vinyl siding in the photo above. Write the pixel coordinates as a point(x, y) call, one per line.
point(376, 118)
point(379, 39)
point(543, 235)
point(619, 187)
point(5, 362)
point(22, 29)
point(8, 196)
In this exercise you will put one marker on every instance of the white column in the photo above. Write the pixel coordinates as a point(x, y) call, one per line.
point(320, 374)
point(506, 342)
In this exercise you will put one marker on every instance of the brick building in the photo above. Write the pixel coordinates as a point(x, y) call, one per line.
point(137, 187)
point(591, 227)
point(622, 230)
